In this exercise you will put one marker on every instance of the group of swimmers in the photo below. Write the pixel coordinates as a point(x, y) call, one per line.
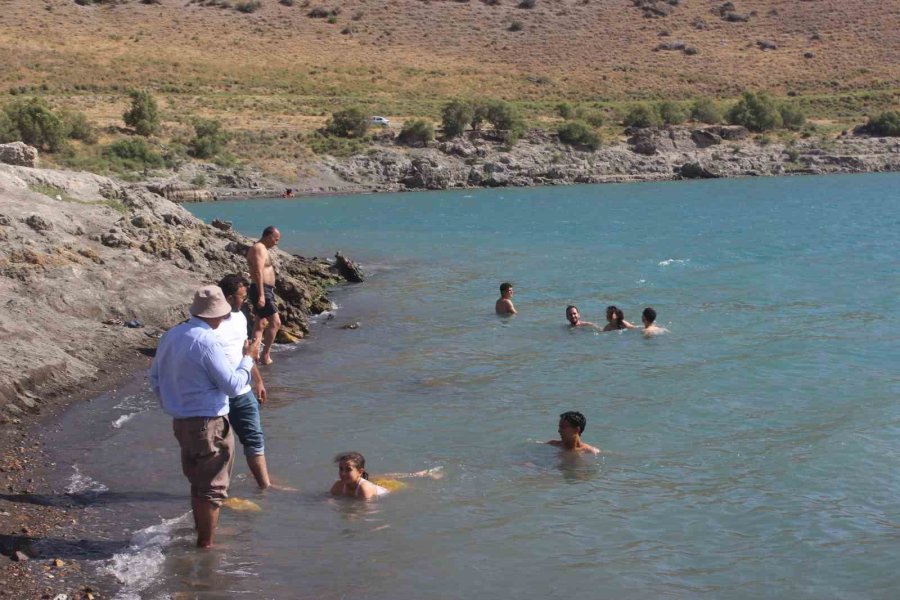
point(615, 317)
point(354, 481)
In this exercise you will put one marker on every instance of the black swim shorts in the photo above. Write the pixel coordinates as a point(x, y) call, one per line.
point(253, 297)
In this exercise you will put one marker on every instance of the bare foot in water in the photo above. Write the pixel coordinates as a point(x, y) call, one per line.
point(266, 360)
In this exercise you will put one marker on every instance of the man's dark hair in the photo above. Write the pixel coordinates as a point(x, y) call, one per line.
point(269, 230)
point(505, 287)
point(575, 419)
point(230, 284)
point(649, 314)
point(570, 307)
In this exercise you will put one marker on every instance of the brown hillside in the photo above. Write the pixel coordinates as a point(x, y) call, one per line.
point(421, 51)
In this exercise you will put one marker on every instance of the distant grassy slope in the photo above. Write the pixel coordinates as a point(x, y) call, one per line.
point(278, 69)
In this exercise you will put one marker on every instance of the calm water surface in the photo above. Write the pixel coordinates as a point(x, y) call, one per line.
point(751, 453)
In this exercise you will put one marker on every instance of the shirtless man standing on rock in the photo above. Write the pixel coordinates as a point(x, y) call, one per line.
point(262, 291)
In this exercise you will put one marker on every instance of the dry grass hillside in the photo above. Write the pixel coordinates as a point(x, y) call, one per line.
point(280, 68)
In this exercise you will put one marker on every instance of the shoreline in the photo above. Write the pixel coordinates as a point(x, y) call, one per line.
point(80, 255)
point(539, 159)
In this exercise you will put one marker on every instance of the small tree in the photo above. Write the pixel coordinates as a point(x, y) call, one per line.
point(133, 153)
point(455, 117)
point(565, 110)
point(416, 132)
point(503, 116)
point(642, 115)
point(885, 124)
point(672, 114)
point(756, 112)
point(209, 139)
point(79, 128)
point(143, 116)
point(578, 133)
point(705, 110)
point(792, 117)
point(33, 122)
point(348, 123)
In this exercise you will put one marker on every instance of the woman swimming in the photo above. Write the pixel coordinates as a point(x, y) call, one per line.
point(353, 479)
point(615, 319)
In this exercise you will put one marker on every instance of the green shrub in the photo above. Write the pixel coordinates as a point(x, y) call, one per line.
point(515, 26)
point(133, 154)
point(198, 180)
point(416, 132)
point(885, 124)
point(143, 116)
point(642, 115)
point(792, 117)
point(209, 139)
point(591, 116)
point(578, 133)
point(756, 112)
point(456, 117)
point(672, 113)
point(705, 110)
point(503, 116)
point(565, 110)
point(79, 128)
point(33, 121)
point(348, 123)
point(286, 2)
point(318, 13)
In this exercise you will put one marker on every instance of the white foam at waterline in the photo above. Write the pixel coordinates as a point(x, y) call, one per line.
point(674, 261)
point(141, 564)
point(79, 483)
point(124, 419)
point(325, 314)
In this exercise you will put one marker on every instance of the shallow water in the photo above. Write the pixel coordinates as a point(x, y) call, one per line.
point(751, 452)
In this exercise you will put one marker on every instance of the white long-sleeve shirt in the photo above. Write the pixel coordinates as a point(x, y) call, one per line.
point(192, 376)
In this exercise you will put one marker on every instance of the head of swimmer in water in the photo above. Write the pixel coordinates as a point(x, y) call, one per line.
point(571, 426)
point(506, 290)
point(572, 314)
point(351, 467)
point(648, 316)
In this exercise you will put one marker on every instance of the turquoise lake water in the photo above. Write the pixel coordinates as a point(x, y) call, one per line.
point(752, 452)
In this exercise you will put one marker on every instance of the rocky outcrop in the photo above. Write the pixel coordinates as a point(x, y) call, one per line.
point(179, 191)
point(19, 154)
point(348, 269)
point(76, 266)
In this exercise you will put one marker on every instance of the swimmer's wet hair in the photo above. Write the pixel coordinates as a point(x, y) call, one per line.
point(575, 419)
point(570, 307)
point(611, 311)
point(649, 314)
point(505, 287)
point(230, 284)
point(354, 458)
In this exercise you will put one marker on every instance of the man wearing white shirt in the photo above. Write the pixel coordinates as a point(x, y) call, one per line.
point(244, 407)
point(193, 379)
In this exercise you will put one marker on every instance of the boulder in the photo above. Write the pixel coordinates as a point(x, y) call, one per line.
point(178, 191)
point(705, 138)
point(694, 170)
point(222, 225)
point(766, 45)
point(730, 132)
point(19, 154)
point(677, 45)
point(348, 269)
point(427, 174)
point(38, 223)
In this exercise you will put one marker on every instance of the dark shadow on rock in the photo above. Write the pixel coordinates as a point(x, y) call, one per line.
point(38, 547)
point(151, 352)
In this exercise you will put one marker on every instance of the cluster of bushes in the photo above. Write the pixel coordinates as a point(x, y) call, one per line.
point(760, 112)
point(34, 122)
point(416, 132)
point(654, 115)
point(459, 115)
point(348, 123)
point(579, 133)
point(886, 124)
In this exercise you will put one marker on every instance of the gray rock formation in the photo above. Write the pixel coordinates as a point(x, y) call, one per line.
point(19, 154)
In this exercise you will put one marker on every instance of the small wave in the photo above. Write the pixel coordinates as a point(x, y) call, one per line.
point(674, 261)
point(117, 424)
point(325, 314)
point(79, 483)
point(141, 564)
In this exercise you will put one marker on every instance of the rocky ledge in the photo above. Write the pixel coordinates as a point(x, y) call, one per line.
point(82, 255)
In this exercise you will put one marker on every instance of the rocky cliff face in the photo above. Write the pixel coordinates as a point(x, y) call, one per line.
point(80, 254)
point(647, 155)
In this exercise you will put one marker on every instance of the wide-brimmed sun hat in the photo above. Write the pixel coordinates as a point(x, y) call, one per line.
point(210, 303)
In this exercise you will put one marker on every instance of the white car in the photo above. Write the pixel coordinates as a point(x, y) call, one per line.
point(384, 122)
